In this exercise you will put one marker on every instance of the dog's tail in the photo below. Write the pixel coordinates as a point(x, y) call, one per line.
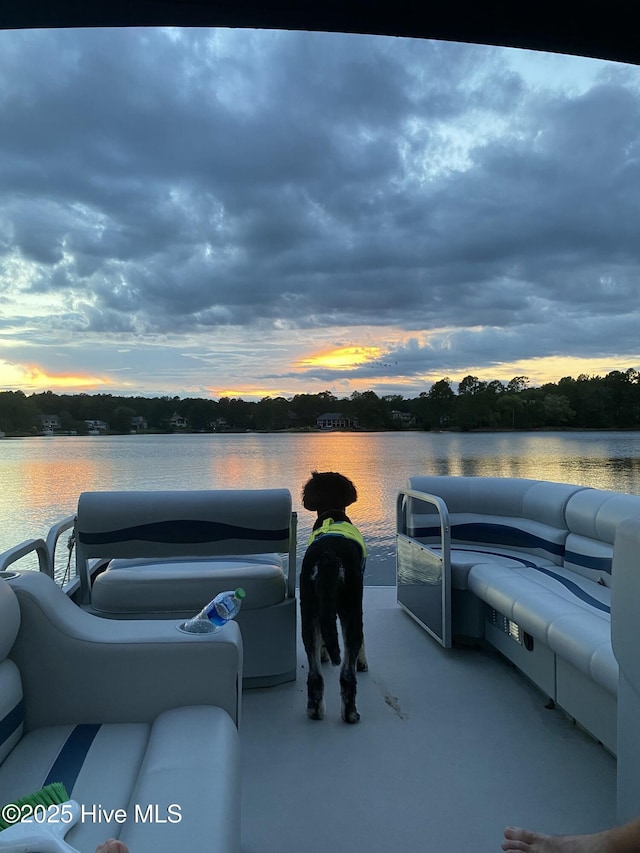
point(327, 591)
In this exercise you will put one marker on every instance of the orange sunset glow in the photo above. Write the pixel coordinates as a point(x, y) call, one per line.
point(247, 393)
point(342, 358)
point(549, 369)
point(32, 378)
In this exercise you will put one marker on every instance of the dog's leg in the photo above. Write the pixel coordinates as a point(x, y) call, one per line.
point(362, 664)
point(312, 642)
point(315, 681)
point(350, 613)
point(352, 636)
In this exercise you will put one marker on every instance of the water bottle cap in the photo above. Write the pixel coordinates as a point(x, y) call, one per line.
point(240, 593)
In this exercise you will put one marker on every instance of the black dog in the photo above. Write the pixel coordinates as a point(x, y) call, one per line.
point(331, 586)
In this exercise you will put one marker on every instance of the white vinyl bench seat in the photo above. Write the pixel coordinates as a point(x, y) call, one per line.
point(570, 615)
point(146, 586)
point(129, 716)
point(168, 553)
point(129, 766)
point(531, 573)
point(465, 557)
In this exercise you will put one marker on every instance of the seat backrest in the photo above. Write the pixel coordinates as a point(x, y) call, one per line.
point(517, 497)
point(593, 516)
point(163, 524)
point(484, 495)
point(625, 605)
point(504, 512)
point(11, 698)
point(625, 600)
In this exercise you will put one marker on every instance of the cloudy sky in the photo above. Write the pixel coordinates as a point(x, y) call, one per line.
point(227, 212)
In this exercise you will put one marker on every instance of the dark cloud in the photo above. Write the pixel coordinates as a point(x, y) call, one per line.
point(161, 181)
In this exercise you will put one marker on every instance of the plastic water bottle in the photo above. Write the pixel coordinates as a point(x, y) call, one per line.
point(225, 606)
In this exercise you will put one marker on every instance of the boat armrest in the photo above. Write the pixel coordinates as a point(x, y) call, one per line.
point(54, 534)
point(405, 508)
point(423, 571)
point(80, 668)
point(30, 546)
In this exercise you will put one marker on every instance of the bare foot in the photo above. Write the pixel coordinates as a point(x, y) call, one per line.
point(518, 840)
point(111, 845)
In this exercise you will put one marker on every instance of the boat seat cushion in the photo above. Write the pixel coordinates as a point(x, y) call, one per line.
point(569, 613)
point(68, 714)
point(541, 555)
point(537, 500)
point(11, 697)
point(131, 766)
point(182, 523)
point(464, 558)
point(484, 538)
point(179, 585)
point(513, 522)
point(592, 518)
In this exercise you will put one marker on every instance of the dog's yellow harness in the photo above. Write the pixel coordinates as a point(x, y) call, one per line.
point(329, 527)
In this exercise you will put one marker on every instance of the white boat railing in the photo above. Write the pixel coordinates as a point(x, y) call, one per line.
point(54, 534)
point(423, 572)
point(39, 546)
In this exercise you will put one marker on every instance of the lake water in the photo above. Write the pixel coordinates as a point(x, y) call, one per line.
point(42, 477)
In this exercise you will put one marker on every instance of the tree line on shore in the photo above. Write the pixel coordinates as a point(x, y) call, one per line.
point(588, 402)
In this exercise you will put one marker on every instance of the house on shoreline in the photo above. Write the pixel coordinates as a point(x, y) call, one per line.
point(139, 424)
point(96, 426)
point(336, 420)
point(405, 419)
point(50, 424)
point(177, 421)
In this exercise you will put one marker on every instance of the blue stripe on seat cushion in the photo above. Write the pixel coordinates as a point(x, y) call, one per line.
point(598, 564)
point(576, 589)
point(494, 534)
point(71, 757)
point(10, 722)
point(182, 531)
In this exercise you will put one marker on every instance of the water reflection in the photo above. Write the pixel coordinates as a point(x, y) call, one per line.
point(42, 478)
point(601, 460)
point(616, 474)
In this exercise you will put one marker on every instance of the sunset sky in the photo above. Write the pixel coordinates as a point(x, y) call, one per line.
point(244, 213)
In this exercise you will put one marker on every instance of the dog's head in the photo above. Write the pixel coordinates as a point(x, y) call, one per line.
point(328, 491)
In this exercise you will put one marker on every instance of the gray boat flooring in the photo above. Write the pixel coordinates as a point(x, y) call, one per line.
point(452, 746)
